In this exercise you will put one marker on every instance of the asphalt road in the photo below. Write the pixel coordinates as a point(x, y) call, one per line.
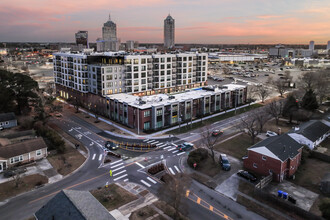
point(94, 173)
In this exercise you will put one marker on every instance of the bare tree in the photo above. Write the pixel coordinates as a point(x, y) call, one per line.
point(250, 93)
point(17, 179)
point(225, 70)
point(322, 83)
point(262, 117)
point(307, 81)
point(281, 86)
point(174, 190)
point(249, 124)
point(275, 109)
point(262, 92)
point(208, 140)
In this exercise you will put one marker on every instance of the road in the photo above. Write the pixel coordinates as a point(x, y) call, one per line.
point(94, 173)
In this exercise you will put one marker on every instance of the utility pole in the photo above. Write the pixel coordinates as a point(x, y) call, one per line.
point(235, 101)
point(138, 117)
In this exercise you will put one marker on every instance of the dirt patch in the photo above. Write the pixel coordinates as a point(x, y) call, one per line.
point(67, 162)
point(326, 144)
point(237, 146)
point(315, 207)
point(310, 174)
point(168, 210)
point(113, 196)
point(8, 189)
point(209, 167)
point(272, 126)
point(143, 213)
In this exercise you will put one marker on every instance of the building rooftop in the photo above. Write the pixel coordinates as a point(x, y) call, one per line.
point(313, 129)
point(7, 116)
point(166, 99)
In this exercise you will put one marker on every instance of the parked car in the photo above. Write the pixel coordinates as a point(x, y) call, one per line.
point(247, 175)
point(1, 128)
point(185, 146)
point(224, 162)
point(111, 145)
point(216, 133)
point(271, 133)
point(8, 173)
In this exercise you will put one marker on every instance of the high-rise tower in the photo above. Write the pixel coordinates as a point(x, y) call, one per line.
point(311, 45)
point(328, 46)
point(109, 30)
point(169, 29)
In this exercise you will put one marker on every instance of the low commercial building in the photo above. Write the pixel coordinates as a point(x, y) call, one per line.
point(22, 152)
point(150, 113)
point(278, 155)
point(8, 120)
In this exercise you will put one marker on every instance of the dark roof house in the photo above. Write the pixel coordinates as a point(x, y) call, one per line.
point(20, 148)
point(7, 116)
point(75, 205)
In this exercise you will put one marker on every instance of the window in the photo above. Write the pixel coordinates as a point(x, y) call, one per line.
point(38, 152)
point(16, 159)
point(146, 113)
point(159, 112)
point(146, 125)
point(255, 165)
point(264, 158)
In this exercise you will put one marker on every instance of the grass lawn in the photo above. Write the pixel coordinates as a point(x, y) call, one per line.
point(271, 126)
point(143, 213)
point(67, 162)
point(208, 167)
point(113, 196)
point(214, 119)
point(310, 173)
point(236, 146)
point(8, 189)
point(168, 210)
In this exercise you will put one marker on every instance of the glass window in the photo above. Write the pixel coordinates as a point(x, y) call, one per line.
point(38, 152)
point(146, 113)
point(146, 125)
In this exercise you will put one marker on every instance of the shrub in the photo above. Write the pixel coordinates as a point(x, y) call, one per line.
point(52, 139)
point(196, 156)
point(325, 208)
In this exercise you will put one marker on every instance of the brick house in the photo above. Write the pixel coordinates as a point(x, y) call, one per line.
point(279, 155)
point(22, 152)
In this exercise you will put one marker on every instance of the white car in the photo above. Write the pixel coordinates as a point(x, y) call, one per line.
point(271, 134)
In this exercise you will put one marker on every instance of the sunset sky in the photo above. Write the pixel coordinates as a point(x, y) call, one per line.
point(197, 21)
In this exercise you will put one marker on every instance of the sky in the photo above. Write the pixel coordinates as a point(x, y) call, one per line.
point(196, 21)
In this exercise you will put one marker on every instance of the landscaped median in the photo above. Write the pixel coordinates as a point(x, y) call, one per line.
point(224, 115)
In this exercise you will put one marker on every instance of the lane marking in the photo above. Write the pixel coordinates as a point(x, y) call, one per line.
point(171, 171)
point(167, 147)
point(176, 151)
point(162, 156)
point(154, 142)
point(145, 183)
point(171, 149)
point(94, 156)
point(118, 168)
point(125, 180)
point(198, 200)
point(117, 165)
point(151, 180)
point(100, 157)
point(162, 145)
point(118, 178)
point(116, 174)
point(137, 163)
point(180, 153)
point(150, 141)
point(174, 144)
point(177, 169)
point(145, 140)
point(116, 162)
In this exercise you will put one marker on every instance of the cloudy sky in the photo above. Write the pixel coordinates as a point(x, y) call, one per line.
point(197, 21)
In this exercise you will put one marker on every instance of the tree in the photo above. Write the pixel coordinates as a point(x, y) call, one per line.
point(75, 102)
point(208, 140)
point(17, 179)
point(262, 117)
point(262, 92)
point(325, 208)
point(290, 107)
point(250, 93)
point(249, 124)
point(275, 109)
point(174, 190)
point(322, 83)
point(309, 101)
point(281, 86)
point(307, 81)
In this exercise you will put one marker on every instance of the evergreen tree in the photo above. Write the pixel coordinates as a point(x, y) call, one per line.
point(309, 101)
point(290, 107)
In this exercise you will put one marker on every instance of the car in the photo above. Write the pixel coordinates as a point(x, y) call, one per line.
point(111, 145)
point(247, 175)
point(1, 128)
point(185, 146)
point(216, 133)
point(58, 115)
point(266, 74)
point(224, 162)
point(8, 173)
point(271, 133)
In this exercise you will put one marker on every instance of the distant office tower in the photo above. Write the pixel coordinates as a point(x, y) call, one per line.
point(82, 38)
point(311, 45)
point(169, 29)
point(328, 46)
point(109, 41)
point(130, 45)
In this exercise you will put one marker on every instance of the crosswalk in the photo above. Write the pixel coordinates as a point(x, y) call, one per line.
point(118, 171)
point(174, 170)
point(99, 158)
point(171, 147)
point(148, 181)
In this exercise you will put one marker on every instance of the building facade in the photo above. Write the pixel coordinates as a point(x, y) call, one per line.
point(169, 32)
point(109, 40)
point(82, 38)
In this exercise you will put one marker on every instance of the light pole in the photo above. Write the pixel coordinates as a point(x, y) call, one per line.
point(235, 100)
point(138, 119)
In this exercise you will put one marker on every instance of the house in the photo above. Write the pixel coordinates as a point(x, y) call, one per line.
point(22, 152)
point(325, 184)
point(278, 155)
point(8, 120)
point(311, 133)
point(72, 204)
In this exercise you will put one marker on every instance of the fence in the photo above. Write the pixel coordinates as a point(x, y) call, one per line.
point(264, 181)
point(320, 156)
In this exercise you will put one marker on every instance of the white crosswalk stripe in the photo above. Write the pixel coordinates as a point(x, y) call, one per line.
point(119, 168)
point(180, 153)
point(145, 140)
point(150, 141)
point(171, 149)
point(175, 151)
point(162, 145)
point(94, 156)
point(100, 157)
point(125, 180)
point(116, 174)
point(171, 171)
point(118, 178)
point(167, 147)
point(177, 169)
point(117, 165)
point(116, 162)
point(151, 180)
point(154, 142)
point(145, 183)
point(174, 144)
point(137, 163)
